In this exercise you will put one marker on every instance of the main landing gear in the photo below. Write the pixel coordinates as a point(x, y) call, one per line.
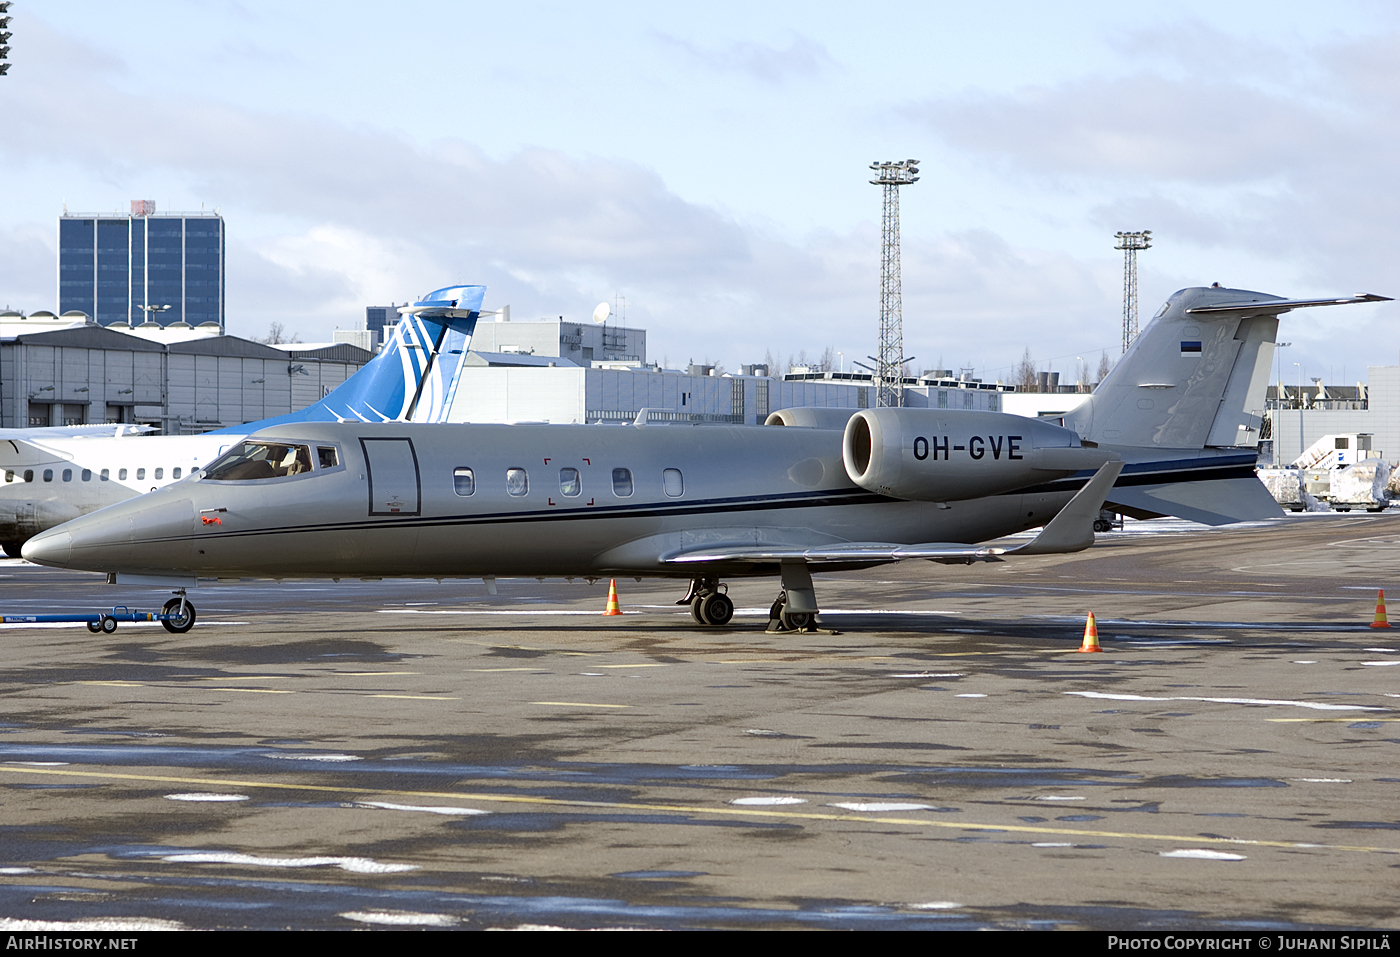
point(794, 611)
point(709, 605)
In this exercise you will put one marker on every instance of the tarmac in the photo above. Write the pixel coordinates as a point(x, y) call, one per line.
point(423, 754)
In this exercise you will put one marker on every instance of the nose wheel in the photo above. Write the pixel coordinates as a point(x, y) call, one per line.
point(179, 614)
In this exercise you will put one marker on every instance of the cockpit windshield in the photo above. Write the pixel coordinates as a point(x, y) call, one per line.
point(260, 460)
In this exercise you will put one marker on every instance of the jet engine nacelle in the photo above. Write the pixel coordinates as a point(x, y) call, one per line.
point(941, 455)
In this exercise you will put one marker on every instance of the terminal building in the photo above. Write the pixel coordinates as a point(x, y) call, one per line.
point(142, 267)
point(68, 370)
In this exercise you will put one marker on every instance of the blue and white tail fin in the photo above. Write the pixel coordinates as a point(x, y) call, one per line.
point(1195, 377)
point(414, 376)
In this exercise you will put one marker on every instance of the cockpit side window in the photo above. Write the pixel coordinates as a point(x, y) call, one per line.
point(250, 461)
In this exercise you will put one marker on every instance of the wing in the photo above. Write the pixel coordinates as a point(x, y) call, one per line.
point(1071, 530)
point(847, 553)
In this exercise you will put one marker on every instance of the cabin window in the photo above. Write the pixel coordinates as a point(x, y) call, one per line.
point(160, 474)
point(672, 482)
point(140, 474)
point(29, 475)
point(517, 482)
point(326, 457)
point(9, 475)
point(67, 475)
point(121, 475)
point(1342, 443)
point(48, 475)
point(569, 482)
point(260, 460)
point(175, 473)
point(105, 475)
point(87, 475)
point(463, 479)
point(622, 482)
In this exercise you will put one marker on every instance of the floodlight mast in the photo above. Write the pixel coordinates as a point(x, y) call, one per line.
point(1130, 243)
point(889, 364)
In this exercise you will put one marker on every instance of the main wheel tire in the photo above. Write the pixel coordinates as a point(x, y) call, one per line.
point(717, 609)
point(180, 625)
point(95, 627)
point(796, 620)
point(109, 624)
point(696, 611)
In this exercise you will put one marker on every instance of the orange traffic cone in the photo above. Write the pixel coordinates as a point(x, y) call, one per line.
point(1381, 621)
point(612, 598)
point(1091, 635)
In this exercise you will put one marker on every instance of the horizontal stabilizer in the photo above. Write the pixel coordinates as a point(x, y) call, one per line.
point(1272, 307)
point(1210, 502)
point(845, 553)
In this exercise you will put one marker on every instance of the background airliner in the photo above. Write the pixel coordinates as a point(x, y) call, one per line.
point(1160, 436)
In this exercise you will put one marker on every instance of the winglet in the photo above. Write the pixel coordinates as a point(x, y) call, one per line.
point(1073, 529)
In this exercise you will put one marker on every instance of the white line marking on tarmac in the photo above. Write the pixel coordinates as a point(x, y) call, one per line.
point(385, 805)
point(396, 919)
point(1202, 854)
point(313, 757)
point(204, 796)
point(356, 865)
point(102, 924)
point(580, 704)
point(767, 801)
point(1293, 704)
point(880, 806)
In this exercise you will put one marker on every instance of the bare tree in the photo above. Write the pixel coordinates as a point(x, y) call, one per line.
point(1105, 367)
point(1026, 378)
point(277, 335)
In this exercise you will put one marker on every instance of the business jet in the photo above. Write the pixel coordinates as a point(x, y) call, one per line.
point(1166, 433)
point(53, 475)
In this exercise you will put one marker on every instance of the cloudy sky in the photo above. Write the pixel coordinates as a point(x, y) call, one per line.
point(709, 163)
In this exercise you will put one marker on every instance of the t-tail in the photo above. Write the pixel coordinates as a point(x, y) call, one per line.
point(414, 377)
point(1185, 404)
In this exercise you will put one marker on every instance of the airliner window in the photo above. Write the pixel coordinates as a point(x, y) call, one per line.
point(67, 475)
point(121, 475)
point(9, 475)
point(160, 473)
point(174, 473)
point(463, 480)
point(105, 475)
point(569, 482)
point(517, 482)
point(48, 475)
point(326, 456)
point(673, 483)
point(249, 461)
point(29, 475)
point(140, 475)
point(622, 482)
point(87, 475)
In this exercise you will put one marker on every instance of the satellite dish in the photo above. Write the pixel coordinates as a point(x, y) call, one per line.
point(601, 312)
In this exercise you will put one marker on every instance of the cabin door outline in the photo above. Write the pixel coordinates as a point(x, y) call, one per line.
point(395, 482)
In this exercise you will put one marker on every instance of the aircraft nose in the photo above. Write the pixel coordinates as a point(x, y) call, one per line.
point(53, 547)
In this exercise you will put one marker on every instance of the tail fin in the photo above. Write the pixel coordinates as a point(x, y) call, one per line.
point(413, 377)
point(1196, 376)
